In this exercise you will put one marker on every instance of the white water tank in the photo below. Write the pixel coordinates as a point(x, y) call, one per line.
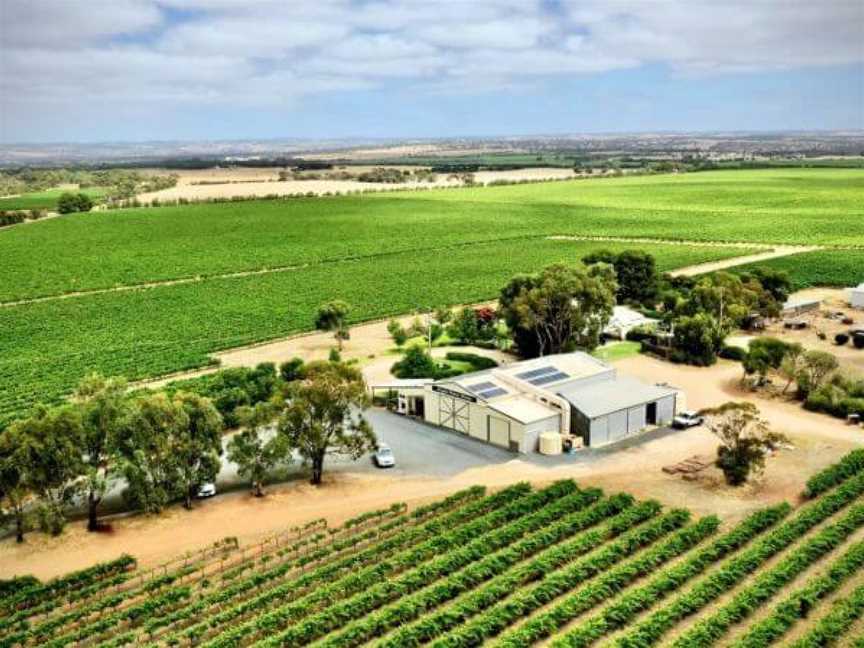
point(550, 443)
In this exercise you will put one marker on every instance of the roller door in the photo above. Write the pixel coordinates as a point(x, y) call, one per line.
point(617, 425)
point(635, 419)
point(665, 409)
point(499, 431)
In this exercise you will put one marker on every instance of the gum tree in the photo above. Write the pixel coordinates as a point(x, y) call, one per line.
point(323, 415)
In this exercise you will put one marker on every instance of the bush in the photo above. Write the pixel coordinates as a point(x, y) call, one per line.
point(735, 353)
point(291, 370)
point(415, 364)
point(69, 203)
point(640, 333)
point(477, 361)
point(840, 339)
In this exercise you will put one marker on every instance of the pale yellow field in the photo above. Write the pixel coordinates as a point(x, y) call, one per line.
point(245, 182)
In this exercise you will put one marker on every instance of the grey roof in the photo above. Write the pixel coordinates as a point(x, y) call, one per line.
point(612, 395)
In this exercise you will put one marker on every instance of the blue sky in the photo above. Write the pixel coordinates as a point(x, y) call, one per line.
point(107, 70)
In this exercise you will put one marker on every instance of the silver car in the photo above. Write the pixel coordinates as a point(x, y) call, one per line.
point(383, 457)
point(206, 490)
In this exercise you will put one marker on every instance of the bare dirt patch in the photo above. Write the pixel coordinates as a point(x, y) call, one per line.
point(827, 321)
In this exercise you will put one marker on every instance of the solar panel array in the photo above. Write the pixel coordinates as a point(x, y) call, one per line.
point(534, 373)
point(480, 387)
point(550, 378)
point(492, 393)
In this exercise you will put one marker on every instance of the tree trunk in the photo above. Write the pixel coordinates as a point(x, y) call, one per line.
point(317, 469)
point(19, 526)
point(259, 492)
point(188, 499)
point(92, 510)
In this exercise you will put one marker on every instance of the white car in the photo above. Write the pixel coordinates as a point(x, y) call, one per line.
point(687, 419)
point(383, 457)
point(206, 490)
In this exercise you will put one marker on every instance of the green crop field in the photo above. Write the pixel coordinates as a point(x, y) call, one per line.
point(44, 199)
point(104, 249)
point(837, 268)
point(384, 253)
point(47, 346)
point(562, 566)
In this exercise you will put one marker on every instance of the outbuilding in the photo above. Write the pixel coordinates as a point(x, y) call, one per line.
point(624, 319)
point(569, 394)
point(856, 296)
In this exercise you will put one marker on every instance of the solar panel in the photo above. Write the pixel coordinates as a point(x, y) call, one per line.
point(492, 393)
point(542, 380)
point(528, 375)
point(479, 387)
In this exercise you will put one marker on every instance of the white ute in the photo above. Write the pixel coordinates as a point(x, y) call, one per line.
point(687, 419)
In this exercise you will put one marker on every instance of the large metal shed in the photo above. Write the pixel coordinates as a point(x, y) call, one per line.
point(614, 409)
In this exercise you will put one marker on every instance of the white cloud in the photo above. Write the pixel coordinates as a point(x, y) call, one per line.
point(243, 52)
point(62, 24)
point(251, 37)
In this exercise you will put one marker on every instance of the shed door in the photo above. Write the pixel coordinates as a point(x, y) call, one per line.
point(635, 419)
point(617, 425)
point(499, 431)
point(453, 413)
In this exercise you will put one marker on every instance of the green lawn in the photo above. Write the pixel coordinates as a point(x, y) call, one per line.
point(44, 199)
point(133, 246)
point(612, 351)
point(47, 346)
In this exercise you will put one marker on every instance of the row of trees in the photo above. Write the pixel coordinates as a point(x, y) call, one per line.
point(165, 446)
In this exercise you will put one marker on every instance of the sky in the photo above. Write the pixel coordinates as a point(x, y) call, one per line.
point(138, 70)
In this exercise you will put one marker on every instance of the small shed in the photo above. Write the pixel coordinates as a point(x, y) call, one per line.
point(795, 307)
point(856, 296)
point(623, 320)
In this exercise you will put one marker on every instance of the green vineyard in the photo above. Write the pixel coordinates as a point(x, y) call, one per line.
point(558, 566)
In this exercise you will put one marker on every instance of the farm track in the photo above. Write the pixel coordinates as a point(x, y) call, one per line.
point(775, 251)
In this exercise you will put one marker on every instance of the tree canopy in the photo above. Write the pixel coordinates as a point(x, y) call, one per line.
point(561, 309)
point(323, 415)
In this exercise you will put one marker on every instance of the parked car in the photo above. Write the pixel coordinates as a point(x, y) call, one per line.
point(206, 490)
point(687, 419)
point(383, 457)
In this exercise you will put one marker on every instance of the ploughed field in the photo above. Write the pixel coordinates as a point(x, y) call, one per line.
point(559, 566)
point(178, 283)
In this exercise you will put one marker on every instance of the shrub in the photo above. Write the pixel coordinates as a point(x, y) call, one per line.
point(291, 370)
point(415, 364)
point(69, 203)
point(477, 361)
point(729, 352)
